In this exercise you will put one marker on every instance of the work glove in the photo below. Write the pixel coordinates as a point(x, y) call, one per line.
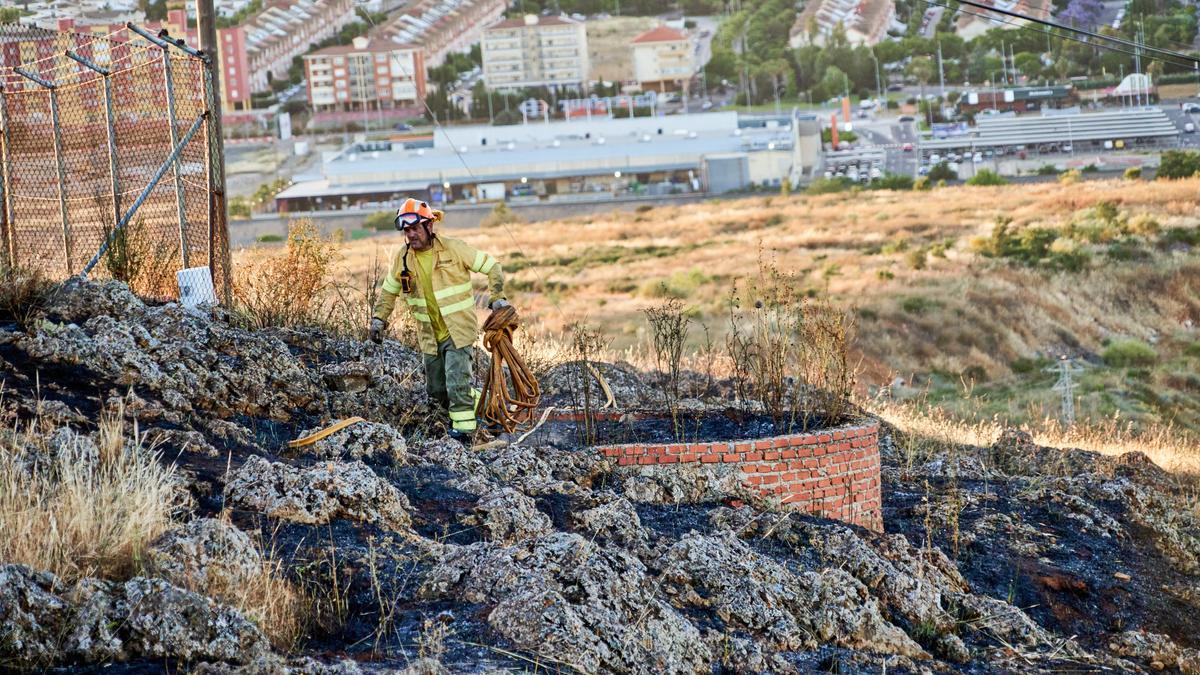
point(376, 330)
point(499, 303)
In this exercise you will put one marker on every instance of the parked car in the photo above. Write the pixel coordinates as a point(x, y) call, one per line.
point(907, 147)
point(1189, 128)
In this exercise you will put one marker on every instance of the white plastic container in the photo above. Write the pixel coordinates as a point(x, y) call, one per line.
point(196, 287)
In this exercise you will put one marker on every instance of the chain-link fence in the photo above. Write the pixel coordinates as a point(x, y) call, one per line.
point(107, 162)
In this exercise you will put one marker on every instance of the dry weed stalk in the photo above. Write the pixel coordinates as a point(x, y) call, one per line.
point(75, 515)
point(670, 328)
point(791, 353)
point(587, 344)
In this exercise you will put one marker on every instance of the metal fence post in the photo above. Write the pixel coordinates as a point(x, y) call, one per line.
point(58, 159)
point(170, 83)
point(111, 127)
point(6, 212)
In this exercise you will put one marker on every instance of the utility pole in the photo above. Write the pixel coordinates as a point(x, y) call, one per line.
point(218, 215)
point(941, 71)
point(1004, 61)
point(1065, 386)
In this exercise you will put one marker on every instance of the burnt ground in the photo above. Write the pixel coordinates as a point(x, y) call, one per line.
point(1006, 538)
point(729, 424)
point(1069, 586)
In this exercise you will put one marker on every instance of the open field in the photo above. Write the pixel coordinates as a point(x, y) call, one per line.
point(608, 46)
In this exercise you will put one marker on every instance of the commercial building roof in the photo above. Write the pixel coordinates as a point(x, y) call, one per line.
point(366, 168)
point(1031, 130)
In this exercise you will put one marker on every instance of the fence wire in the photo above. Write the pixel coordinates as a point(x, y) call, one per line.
point(78, 147)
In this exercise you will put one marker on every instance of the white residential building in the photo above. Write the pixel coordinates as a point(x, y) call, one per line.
point(865, 22)
point(548, 51)
point(662, 59)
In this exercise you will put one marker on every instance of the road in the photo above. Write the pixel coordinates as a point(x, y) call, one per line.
point(1187, 140)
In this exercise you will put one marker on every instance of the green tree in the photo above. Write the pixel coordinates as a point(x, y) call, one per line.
point(1178, 164)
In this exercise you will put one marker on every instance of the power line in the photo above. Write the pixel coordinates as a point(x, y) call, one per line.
point(1190, 65)
point(1136, 45)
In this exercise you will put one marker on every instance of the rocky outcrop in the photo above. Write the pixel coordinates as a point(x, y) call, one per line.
point(318, 494)
point(558, 596)
point(784, 610)
point(95, 621)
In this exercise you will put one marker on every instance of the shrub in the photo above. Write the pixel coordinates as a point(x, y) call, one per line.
point(1129, 353)
point(917, 304)
point(269, 238)
point(885, 275)
point(1069, 177)
point(1047, 170)
point(380, 221)
point(916, 258)
point(987, 177)
point(824, 186)
point(681, 284)
point(921, 183)
point(79, 516)
point(287, 288)
point(501, 215)
point(893, 181)
point(1143, 224)
point(790, 353)
point(1133, 173)
point(941, 172)
point(643, 208)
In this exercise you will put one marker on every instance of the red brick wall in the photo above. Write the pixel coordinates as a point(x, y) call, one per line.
point(832, 473)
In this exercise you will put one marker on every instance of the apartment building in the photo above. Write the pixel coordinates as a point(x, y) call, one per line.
point(971, 26)
point(533, 51)
point(371, 74)
point(441, 27)
point(662, 59)
point(254, 53)
point(865, 22)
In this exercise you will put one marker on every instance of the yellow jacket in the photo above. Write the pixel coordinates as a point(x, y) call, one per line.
point(453, 262)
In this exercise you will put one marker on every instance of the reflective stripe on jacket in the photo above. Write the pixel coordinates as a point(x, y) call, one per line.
point(453, 262)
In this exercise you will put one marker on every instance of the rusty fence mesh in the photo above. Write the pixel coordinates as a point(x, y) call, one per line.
point(89, 125)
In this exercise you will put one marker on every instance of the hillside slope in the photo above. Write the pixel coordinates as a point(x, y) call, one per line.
point(1076, 269)
point(413, 552)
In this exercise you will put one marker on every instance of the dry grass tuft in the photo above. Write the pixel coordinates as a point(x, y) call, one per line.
point(77, 513)
point(933, 428)
point(23, 293)
point(267, 598)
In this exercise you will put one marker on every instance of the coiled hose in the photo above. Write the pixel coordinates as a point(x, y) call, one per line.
point(501, 404)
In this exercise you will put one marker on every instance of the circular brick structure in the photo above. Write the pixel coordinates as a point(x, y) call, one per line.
point(832, 473)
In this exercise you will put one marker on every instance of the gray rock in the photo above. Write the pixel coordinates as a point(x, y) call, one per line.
point(206, 555)
point(683, 483)
point(95, 621)
point(165, 621)
point(32, 616)
point(509, 516)
point(614, 520)
point(318, 494)
point(359, 441)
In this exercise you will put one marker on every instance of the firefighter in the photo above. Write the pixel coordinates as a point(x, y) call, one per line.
point(433, 274)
